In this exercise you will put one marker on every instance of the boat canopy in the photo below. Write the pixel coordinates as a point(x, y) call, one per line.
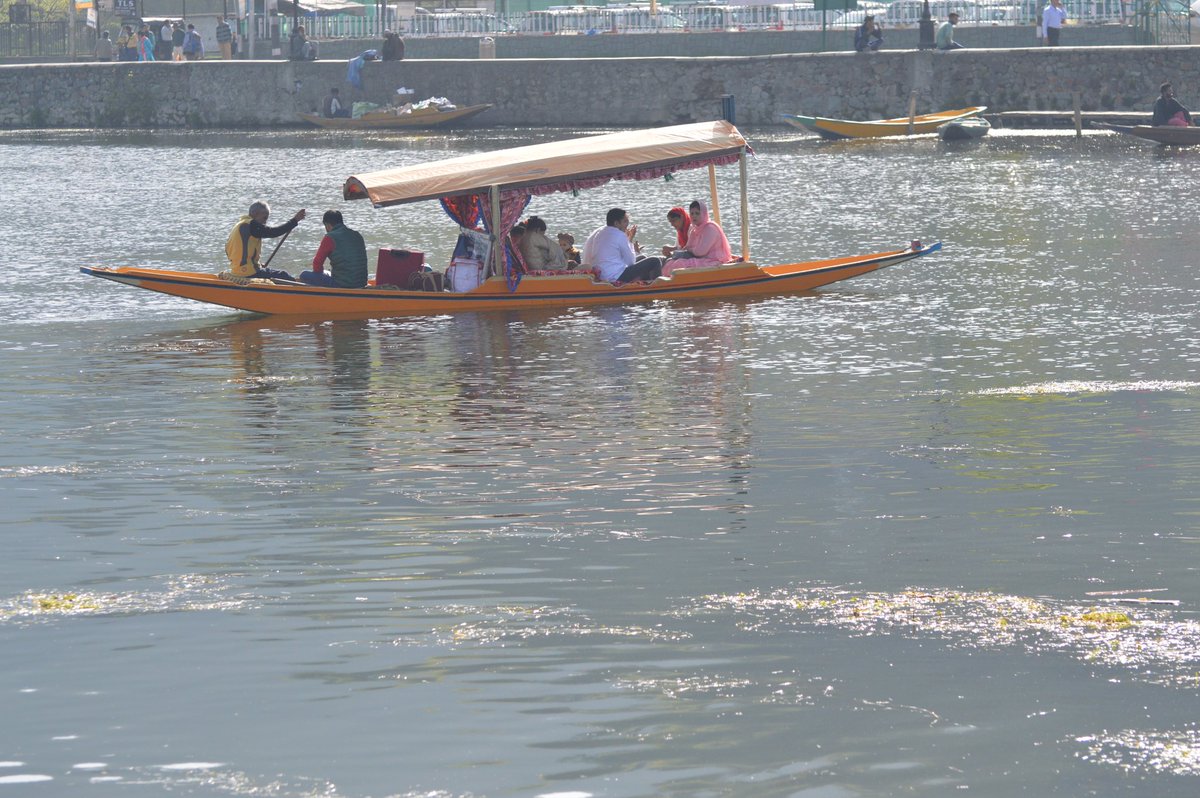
point(569, 165)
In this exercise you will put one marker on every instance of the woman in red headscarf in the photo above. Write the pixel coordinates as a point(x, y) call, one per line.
point(706, 246)
point(678, 218)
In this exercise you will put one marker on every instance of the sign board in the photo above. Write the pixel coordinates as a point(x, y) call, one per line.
point(125, 9)
point(91, 18)
point(835, 5)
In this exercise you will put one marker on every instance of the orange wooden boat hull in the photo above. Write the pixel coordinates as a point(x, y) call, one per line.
point(734, 280)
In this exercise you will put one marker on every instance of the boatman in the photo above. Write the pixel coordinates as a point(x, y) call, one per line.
point(1168, 110)
point(244, 244)
point(345, 249)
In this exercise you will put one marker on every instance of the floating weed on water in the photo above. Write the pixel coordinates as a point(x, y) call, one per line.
point(508, 622)
point(215, 777)
point(179, 593)
point(1173, 752)
point(1082, 386)
point(709, 685)
point(1149, 641)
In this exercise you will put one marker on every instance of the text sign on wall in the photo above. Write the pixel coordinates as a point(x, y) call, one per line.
point(125, 8)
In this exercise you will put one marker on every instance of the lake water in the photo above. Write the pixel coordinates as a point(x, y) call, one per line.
point(929, 532)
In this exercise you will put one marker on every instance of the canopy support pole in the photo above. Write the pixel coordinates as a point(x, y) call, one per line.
point(498, 254)
point(712, 192)
point(745, 208)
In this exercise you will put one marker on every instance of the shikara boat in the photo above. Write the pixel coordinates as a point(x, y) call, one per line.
point(491, 190)
point(971, 127)
point(387, 119)
point(1163, 134)
point(837, 129)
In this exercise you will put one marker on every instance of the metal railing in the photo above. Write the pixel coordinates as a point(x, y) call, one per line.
point(33, 39)
point(1156, 21)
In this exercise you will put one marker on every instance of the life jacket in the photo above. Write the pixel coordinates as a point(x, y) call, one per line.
point(243, 249)
point(349, 257)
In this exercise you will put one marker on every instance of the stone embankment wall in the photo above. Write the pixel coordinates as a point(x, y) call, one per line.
point(619, 92)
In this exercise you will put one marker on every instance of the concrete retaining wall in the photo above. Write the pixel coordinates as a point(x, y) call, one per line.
point(602, 92)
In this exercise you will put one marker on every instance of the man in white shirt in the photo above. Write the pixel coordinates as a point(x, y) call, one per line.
point(611, 251)
point(1053, 18)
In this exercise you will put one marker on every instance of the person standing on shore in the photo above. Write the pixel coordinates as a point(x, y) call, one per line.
point(177, 37)
point(126, 45)
point(104, 48)
point(145, 46)
point(162, 46)
point(225, 39)
point(193, 45)
point(1054, 16)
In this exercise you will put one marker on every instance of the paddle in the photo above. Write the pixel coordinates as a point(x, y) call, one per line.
point(276, 250)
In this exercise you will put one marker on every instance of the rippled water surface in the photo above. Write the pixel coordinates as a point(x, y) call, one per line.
point(929, 532)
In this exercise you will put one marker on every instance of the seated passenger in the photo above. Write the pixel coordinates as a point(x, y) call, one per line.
point(677, 218)
point(707, 245)
point(332, 107)
point(571, 253)
point(540, 253)
point(347, 252)
point(516, 237)
point(612, 251)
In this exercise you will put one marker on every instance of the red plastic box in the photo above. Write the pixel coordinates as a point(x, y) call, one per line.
point(396, 266)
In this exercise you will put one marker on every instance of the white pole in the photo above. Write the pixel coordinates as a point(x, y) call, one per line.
point(712, 191)
point(745, 208)
point(250, 29)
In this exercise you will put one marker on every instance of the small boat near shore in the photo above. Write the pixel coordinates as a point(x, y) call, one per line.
point(966, 129)
point(1175, 135)
point(488, 191)
point(389, 119)
point(838, 129)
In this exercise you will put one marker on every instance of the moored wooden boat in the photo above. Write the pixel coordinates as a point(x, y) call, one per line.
point(836, 129)
point(1163, 134)
point(489, 190)
point(971, 127)
point(387, 119)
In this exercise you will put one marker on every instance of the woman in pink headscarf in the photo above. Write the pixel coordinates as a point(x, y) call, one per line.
point(706, 243)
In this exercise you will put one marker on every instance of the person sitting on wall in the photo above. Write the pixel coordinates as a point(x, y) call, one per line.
point(393, 47)
point(945, 34)
point(868, 35)
point(299, 46)
point(1168, 110)
point(345, 250)
point(333, 108)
